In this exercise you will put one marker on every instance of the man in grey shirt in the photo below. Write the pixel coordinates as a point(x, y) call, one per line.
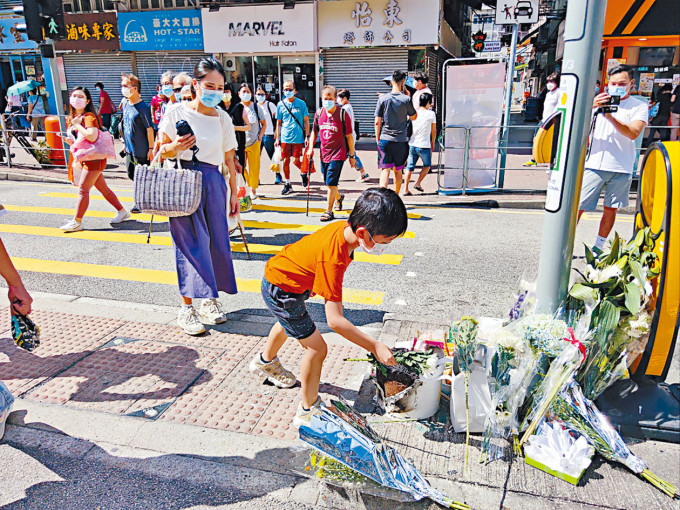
point(392, 115)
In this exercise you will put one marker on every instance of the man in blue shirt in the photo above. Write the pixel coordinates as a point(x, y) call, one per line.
point(292, 129)
point(392, 114)
point(138, 133)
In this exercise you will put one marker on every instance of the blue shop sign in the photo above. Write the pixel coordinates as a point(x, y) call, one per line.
point(160, 30)
point(11, 38)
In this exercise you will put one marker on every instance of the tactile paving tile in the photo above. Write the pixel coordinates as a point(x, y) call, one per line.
point(339, 372)
point(145, 331)
point(112, 392)
point(277, 420)
point(229, 409)
point(64, 339)
point(234, 346)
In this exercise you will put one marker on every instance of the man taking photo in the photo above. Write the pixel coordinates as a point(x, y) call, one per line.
point(611, 153)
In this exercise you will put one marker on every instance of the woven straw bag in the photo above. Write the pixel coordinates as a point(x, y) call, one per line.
point(167, 191)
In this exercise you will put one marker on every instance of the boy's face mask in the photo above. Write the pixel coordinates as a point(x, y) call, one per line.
point(377, 249)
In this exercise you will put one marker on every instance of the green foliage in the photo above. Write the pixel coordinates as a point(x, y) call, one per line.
point(414, 361)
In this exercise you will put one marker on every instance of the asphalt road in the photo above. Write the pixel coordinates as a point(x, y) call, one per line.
point(459, 261)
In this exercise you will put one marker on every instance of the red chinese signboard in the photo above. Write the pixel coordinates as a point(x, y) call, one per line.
point(92, 31)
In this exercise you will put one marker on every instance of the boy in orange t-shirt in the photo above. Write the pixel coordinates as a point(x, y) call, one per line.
point(316, 264)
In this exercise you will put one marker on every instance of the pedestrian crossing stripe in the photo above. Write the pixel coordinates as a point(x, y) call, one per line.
point(296, 227)
point(123, 237)
point(257, 207)
point(353, 296)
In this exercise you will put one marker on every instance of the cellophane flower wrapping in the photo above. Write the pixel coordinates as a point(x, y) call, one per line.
point(343, 435)
point(581, 415)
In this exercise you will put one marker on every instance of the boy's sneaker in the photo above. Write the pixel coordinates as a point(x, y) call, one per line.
point(72, 226)
point(287, 189)
point(364, 178)
point(303, 417)
point(277, 179)
point(272, 371)
point(121, 216)
point(531, 162)
point(211, 312)
point(305, 180)
point(188, 320)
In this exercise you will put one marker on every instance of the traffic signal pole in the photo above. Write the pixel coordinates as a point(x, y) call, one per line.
point(584, 26)
point(508, 104)
point(56, 89)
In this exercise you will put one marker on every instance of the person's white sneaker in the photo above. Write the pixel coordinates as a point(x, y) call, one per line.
point(188, 320)
point(303, 417)
point(72, 226)
point(120, 217)
point(273, 371)
point(211, 312)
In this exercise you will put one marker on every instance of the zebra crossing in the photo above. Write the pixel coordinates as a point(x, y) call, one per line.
point(125, 253)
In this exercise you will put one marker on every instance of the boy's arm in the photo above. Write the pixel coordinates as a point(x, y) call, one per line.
point(338, 323)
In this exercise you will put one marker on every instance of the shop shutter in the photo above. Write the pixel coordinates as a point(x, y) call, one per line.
point(361, 71)
point(152, 64)
point(86, 69)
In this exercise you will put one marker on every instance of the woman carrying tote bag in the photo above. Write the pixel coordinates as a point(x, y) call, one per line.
point(202, 251)
point(84, 128)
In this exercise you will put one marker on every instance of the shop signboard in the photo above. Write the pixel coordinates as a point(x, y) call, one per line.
point(646, 83)
point(260, 29)
point(91, 31)
point(353, 24)
point(160, 30)
point(11, 39)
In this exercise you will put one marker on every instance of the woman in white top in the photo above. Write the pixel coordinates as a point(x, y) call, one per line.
point(258, 126)
point(201, 240)
point(268, 138)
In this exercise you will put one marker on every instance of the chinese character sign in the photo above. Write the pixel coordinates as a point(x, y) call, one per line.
point(352, 23)
point(92, 31)
point(160, 30)
point(11, 38)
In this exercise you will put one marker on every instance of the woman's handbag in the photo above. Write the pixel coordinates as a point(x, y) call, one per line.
point(168, 192)
point(102, 148)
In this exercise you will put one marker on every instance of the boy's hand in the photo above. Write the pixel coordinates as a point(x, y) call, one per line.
point(383, 354)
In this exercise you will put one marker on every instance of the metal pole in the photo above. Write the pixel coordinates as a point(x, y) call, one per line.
point(56, 93)
point(466, 159)
point(508, 104)
point(583, 38)
point(5, 139)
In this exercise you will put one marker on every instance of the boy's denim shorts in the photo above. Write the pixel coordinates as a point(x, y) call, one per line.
point(417, 152)
point(289, 309)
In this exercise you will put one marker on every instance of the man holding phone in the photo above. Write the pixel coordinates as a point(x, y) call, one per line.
point(611, 154)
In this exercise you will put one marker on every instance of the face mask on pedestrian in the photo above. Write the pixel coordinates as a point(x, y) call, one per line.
point(210, 98)
point(288, 94)
point(339, 101)
point(260, 98)
point(617, 90)
point(78, 103)
point(597, 90)
point(378, 249)
point(226, 97)
point(126, 91)
point(551, 85)
point(328, 104)
point(166, 90)
point(245, 96)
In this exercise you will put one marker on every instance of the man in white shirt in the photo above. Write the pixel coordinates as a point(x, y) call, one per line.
point(611, 154)
point(420, 79)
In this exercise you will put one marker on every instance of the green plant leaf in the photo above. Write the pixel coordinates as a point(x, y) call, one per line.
point(584, 292)
point(607, 320)
point(614, 254)
point(637, 241)
point(637, 271)
point(633, 296)
point(590, 257)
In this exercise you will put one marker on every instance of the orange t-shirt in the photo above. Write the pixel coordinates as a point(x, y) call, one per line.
point(316, 262)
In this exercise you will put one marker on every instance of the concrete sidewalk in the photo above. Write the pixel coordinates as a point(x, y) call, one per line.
point(118, 384)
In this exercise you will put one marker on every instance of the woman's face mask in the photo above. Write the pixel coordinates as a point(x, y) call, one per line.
point(210, 98)
point(79, 103)
point(226, 97)
point(245, 96)
point(551, 85)
point(166, 90)
point(260, 98)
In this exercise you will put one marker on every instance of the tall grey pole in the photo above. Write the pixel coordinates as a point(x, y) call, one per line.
point(582, 41)
point(508, 104)
point(56, 93)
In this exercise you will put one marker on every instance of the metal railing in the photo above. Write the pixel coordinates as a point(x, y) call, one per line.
point(467, 146)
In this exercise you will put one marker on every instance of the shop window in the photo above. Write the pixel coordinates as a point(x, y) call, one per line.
point(239, 70)
point(417, 60)
point(144, 4)
point(267, 76)
point(618, 52)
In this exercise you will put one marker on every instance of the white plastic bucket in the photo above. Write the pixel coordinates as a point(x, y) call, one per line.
point(423, 401)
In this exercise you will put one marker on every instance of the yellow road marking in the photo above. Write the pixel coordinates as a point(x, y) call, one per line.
point(56, 194)
point(354, 296)
point(160, 219)
point(123, 237)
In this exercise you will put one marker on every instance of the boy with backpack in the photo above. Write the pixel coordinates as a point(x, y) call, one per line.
point(316, 265)
point(334, 128)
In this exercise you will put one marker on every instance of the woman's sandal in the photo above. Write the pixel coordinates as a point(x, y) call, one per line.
point(419, 188)
point(327, 216)
point(338, 203)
